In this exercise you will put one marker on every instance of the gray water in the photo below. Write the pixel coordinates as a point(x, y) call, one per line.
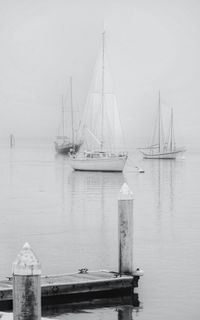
point(70, 220)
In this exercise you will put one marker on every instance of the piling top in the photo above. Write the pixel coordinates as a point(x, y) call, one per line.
point(26, 263)
point(125, 193)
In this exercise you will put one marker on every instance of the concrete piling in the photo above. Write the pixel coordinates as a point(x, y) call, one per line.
point(125, 221)
point(26, 286)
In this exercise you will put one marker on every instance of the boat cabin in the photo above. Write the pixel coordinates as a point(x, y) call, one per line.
point(101, 154)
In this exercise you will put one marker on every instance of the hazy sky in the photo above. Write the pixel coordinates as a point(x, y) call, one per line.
point(152, 45)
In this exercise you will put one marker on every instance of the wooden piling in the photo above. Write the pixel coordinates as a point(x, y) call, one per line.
point(125, 312)
point(26, 286)
point(125, 221)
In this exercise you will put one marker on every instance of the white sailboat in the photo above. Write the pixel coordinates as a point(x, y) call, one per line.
point(102, 156)
point(66, 144)
point(161, 148)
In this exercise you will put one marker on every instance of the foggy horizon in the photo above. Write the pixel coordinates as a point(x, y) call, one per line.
point(151, 46)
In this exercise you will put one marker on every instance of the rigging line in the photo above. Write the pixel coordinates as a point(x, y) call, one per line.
point(93, 135)
point(72, 115)
point(172, 130)
point(168, 136)
point(153, 139)
point(112, 93)
point(162, 132)
point(161, 128)
point(63, 118)
point(122, 129)
point(86, 113)
point(95, 64)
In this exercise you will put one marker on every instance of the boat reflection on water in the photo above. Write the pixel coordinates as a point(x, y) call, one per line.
point(96, 183)
point(93, 197)
point(124, 307)
point(88, 216)
point(165, 179)
point(83, 192)
point(164, 174)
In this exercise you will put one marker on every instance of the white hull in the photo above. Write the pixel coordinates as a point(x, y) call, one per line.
point(163, 155)
point(113, 164)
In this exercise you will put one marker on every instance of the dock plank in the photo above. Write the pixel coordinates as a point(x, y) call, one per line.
point(74, 284)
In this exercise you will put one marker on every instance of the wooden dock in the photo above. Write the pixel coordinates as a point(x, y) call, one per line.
point(27, 289)
point(67, 288)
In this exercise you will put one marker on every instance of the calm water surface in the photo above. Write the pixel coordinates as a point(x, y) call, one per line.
point(70, 220)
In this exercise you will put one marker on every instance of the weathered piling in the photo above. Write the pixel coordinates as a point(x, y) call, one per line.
point(125, 216)
point(125, 313)
point(26, 286)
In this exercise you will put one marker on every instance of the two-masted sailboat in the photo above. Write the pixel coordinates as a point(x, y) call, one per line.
point(66, 144)
point(160, 147)
point(103, 127)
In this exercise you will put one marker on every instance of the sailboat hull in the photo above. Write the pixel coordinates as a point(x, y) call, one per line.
point(163, 155)
point(108, 164)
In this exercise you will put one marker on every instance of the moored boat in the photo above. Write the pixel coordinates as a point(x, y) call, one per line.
point(161, 148)
point(98, 161)
point(67, 144)
point(105, 124)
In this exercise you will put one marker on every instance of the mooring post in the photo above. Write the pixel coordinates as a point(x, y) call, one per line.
point(125, 220)
point(26, 286)
point(125, 313)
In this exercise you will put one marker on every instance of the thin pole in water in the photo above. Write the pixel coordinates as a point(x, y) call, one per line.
point(102, 89)
point(171, 133)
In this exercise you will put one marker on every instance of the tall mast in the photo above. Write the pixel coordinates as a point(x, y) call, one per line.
point(72, 115)
point(171, 131)
point(159, 123)
point(63, 118)
point(102, 89)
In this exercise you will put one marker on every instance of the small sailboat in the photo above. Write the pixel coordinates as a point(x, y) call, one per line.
point(102, 127)
point(161, 148)
point(66, 144)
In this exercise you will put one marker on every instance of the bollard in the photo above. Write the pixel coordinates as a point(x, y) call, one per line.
point(26, 286)
point(125, 221)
